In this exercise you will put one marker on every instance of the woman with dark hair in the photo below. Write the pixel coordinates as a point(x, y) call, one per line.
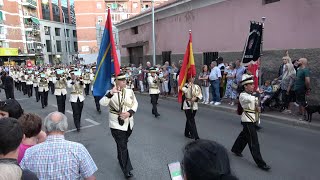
point(206, 160)
point(12, 108)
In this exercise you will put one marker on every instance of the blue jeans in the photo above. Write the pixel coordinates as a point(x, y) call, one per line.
point(215, 87)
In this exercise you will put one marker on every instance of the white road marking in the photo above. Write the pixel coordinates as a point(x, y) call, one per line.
point(85, 127)
point(68, 111)
point(92, 121)
point(23, 99)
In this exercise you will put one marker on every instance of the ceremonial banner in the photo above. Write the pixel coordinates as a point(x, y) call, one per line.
point(252, 48)
point(188, 67)
point(107, 62)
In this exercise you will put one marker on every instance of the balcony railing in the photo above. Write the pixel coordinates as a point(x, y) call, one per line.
point(34, 51)
point(32, 26)
point(33, 38)
point(30, 3)
point(3, 37)
point(117, 17)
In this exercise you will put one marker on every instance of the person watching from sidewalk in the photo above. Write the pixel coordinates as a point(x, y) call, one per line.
point(204, 82)
point(11, 136)
point(60, 159)
point(287, 90)
point(31, 126)
point(12, 108)
point(214, 77)
point(302, 86)
point(206, 160)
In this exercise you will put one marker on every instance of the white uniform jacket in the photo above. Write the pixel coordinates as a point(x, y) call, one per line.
point(129, 104)
point(86, 78)
point(193, 91)
point(76, 91)
point(153, 85)
point(43, 85)
point(29, 79)
point(35, 81)
point(248, 103)
point(60, 87)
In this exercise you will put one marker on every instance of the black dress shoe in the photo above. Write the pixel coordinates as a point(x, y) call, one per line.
point(189, 136)
point(237, 154)
point(99, 111)
point(42, 107)
point(196, 138)
point(156, 115)
point(265, 167)
point(128, 175)
point(78, 129)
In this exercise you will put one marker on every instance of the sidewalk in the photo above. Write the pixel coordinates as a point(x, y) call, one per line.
point(274, 116)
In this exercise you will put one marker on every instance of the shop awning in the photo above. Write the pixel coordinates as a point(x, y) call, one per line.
point(1, 16)
point(35, 20)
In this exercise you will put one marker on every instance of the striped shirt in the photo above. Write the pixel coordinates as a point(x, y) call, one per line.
point(57, 158)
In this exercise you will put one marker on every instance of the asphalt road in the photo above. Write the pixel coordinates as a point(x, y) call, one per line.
point(292, 152)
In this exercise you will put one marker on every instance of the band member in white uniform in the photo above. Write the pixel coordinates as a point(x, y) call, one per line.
point(29, 83)
point(86, 81)
point(43, 90)
point(76, 98)
point(35, 81)
point(154, 90)
point(249, 117)
point(192, 93)
point(122, 106)
point(60, 91)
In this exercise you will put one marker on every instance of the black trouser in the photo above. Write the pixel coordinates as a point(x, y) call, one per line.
point(86, 89)
point(36, 91)
point(29, 89)
point(9, 93)
point(77, 110)
point(19, 85)
point(191, 128)
point(44, 98)
point(51, 86)
point(61, 103)
point(96, 100)
point(154, 102)
point(249, 136)
point(121, 138)
point(24, 87)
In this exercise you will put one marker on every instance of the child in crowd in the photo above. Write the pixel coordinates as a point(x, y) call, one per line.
point(266, 92)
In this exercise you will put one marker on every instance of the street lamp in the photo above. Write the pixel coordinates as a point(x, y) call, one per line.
point(153, 36)
point(65, 28)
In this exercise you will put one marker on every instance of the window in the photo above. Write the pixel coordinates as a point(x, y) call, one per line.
point(45, 11)
point(135, 5)
point(48, 44)
point(75, 45)
point(134, 30)
point(208, 57)
point(100, 19)
point(166, 56)
point(58, 46)
point(68, 31)
point(57, 30)
point(269, 1)
point(55, 10)
point(68, 48)
point(99, 5)
point(74, 32)
point(47, 30)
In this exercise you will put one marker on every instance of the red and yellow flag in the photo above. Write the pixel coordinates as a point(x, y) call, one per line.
point(188, 67)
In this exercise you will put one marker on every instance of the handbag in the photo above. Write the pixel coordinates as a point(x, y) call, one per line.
point(234, 85)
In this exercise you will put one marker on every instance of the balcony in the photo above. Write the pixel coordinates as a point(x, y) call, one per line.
point(35, 51)
point(120, 16)
point(29, 26)
point(3, 37)
point(30, 4)
point(32, 38)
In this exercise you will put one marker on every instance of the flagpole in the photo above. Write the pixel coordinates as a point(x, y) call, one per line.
point(261, 53)
point(153, 36)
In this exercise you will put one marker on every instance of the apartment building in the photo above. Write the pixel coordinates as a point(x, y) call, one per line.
point(91, 16)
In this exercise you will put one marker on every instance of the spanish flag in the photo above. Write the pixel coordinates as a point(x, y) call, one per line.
point(188, 68)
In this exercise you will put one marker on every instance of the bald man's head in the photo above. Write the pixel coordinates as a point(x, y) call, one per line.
point(56, 122)
point(303, 61)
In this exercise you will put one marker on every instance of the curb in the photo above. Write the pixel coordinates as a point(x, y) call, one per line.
point(267, 117)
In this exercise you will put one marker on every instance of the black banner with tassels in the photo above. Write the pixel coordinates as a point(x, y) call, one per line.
point(252, 49)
